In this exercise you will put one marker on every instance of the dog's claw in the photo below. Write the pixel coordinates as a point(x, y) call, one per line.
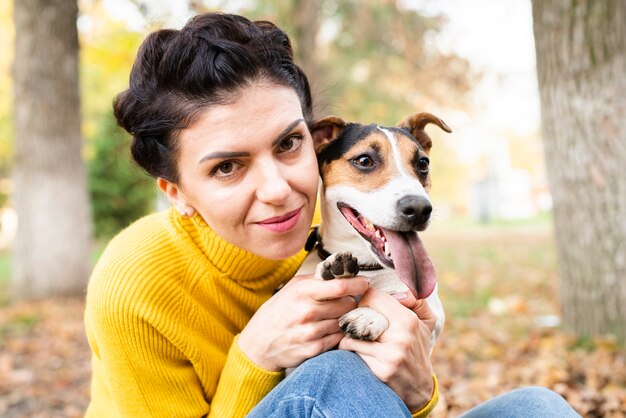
point(341, 264)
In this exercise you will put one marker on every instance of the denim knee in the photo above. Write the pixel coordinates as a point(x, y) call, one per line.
point(334, 367)
point(334, 384)
point(540, 398)
point(532, 401)
point(338, 362)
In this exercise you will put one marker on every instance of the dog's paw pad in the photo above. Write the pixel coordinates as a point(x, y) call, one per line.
point(341, 264)
point(326, 272)
point(364, 324)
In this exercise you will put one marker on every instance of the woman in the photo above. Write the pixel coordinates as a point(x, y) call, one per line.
point(180, 314)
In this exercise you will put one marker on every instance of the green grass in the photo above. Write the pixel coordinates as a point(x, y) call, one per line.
point(5, 266)
point(540, 221)
point(499, 262)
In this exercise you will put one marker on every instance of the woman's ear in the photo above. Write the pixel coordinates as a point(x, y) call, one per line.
point(176, 198)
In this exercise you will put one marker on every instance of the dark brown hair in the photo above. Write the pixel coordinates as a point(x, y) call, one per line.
point(178, 73)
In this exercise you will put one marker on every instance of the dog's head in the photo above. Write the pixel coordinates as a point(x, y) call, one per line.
point(375, 187)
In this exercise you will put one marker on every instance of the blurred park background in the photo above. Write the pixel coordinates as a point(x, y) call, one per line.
point(529, 228)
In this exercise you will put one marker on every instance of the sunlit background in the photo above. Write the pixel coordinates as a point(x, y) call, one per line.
point(472, 63)
point(490, 169)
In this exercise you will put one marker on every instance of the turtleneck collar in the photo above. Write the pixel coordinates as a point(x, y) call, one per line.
point(238, 264)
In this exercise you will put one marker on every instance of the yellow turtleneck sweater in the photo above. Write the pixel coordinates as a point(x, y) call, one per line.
point(165, 304)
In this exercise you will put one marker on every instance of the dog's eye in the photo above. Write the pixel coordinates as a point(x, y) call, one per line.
point(363, 161)
point(423, 165)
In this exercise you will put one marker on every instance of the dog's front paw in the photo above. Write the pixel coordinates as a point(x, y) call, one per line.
point(364, 324)
point(338, 265)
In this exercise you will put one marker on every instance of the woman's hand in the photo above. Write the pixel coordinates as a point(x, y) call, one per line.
point(300, 321)
point(400, 357)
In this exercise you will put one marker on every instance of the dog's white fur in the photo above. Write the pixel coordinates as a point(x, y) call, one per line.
point(338, 236)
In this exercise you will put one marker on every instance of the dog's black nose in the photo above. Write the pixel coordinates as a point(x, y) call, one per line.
point(415, 210)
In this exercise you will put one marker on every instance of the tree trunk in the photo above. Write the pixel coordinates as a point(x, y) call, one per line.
point(306, 22)
point(305, 18)
point(52, 246)
point(581, 66)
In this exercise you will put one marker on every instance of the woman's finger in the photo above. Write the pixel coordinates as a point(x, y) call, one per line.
point(370, 348)
point(423, 312)
point(335, 308)
point(383, 303)
point(389, 306)
point(321, 290)
point(320, 329)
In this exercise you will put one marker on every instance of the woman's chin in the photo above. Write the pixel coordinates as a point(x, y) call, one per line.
point(279, 248)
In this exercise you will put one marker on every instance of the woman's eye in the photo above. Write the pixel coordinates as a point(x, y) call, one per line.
point(423, 165)
point(224, 169)
point(363, 161)
point(291, 143)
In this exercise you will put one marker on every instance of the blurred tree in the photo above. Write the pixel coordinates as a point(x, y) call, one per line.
point(53, 242)
point(581, 63)
point(367, 60)
point(107, 52)
point(6, 58)
point(120, 191)
point(378, 64)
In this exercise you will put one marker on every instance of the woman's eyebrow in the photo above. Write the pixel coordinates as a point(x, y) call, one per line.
point(223, 155)
point(235, 154)
point(286, 131)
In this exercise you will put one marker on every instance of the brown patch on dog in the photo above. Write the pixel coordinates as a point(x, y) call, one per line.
point(342, 171)
point(408, 150)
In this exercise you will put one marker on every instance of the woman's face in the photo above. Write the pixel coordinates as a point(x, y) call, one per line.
point(249, 169)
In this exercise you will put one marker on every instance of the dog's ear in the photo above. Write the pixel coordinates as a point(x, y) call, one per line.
point(325, 130)
point(416, 124)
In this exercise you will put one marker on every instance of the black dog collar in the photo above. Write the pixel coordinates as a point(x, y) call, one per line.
point(314, 240)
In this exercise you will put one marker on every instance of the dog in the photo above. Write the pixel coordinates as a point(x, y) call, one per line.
point(374, 201)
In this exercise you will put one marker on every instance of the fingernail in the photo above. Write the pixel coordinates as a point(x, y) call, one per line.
point(399, 296)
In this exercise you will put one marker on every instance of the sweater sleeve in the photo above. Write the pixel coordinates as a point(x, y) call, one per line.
point(153, 379)
point(137, 370)
point(242, 385)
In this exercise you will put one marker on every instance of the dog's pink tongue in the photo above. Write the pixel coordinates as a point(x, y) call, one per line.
point(411, 262)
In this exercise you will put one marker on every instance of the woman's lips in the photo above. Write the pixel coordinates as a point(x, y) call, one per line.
point(282, 223)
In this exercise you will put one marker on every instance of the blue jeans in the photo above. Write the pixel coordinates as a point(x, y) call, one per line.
point(529, 402)
point(338, 384)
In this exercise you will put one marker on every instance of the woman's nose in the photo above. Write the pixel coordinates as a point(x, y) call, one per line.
point(272, 186)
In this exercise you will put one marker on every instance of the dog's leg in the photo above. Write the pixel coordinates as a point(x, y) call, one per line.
point(360, 323)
